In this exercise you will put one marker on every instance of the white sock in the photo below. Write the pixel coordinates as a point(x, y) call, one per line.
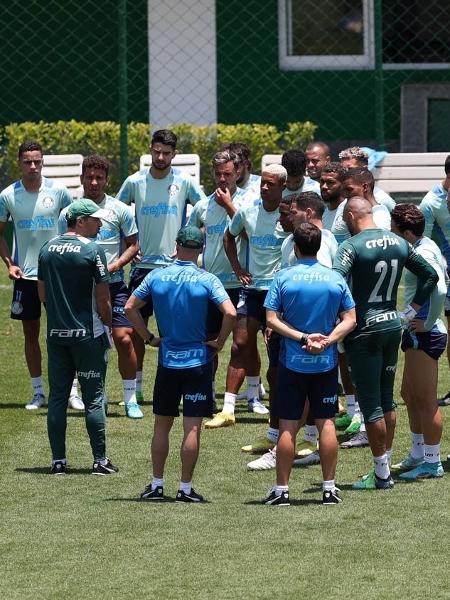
point(252, 387)
point(129, 390)
point(432, 454)
point(389, 455)
point(229, 402)
point(139, 381)
point(350, 402)
point(310, 434)
point(62, 460)
point(417, 449)
point(381, 465)
point(278, 489)
point(74, 390)
point(272, 434)
point(38, 388)
point(362, 429)
point(329, 485)
point(186, 486)
point(156, 482)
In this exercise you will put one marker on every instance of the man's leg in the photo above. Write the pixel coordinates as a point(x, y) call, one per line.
point(127, 368)
point(160, 444)
point(190, 447)
point(286, 450)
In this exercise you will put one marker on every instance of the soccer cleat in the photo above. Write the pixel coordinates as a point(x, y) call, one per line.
point(76, 402)
point(261, 444)
point(221, 420)
point(424, 471)
point(343, 421)
point(305, 448)
point(58, 468)
point(359, 440)
point(355, 425)
point(445, 400)
point(107, 469)
point(331, 497)
point(306, 461)
point(191, 497)
point(274, 499)
point(133, 411)
point(265, 462)
point(156, 494)
point(372, 482)
point(37, 401)
point(257, 407)
point(140, 397)
point(406, 464)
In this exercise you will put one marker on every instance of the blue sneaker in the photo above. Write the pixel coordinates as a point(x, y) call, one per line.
point(372, 482)
point(407, 464)
point(133, 411)
point(424, 471)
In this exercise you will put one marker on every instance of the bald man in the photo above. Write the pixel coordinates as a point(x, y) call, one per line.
point(374, 259)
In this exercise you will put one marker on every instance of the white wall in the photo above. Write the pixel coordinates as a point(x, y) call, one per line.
point(182, 61)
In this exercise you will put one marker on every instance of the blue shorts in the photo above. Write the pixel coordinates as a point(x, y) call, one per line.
point(195, 385)
point(215, 316)
point(294, 388)
point(119, 295)
point(137, 276)
point(25, 305)
point(433, 343)
point(251, 304)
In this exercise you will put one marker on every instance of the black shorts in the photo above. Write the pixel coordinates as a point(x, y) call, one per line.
point(193, 384)
point(433, 343)
point(251, 304)
point(119, 295)
point(293, 389)
point(215, 316)
point(25, 305)
point(273, 348)
point(137, 276)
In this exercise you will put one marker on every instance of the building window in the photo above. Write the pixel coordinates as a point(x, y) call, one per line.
point(325, 34)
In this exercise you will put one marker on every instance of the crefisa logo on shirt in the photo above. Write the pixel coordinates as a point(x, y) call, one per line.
point(173, 190)
point(48, 202)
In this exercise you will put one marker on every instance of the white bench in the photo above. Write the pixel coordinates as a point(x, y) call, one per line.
point(65, 169)
point(188, 163)
point(399, 172)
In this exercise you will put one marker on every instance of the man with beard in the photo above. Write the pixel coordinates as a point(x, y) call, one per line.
point(317, 157)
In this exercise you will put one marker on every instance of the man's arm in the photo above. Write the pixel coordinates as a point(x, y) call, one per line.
point(41, 290)
point(228, 321)
point(132, 248)
point(427, 278)
point(344, 259)
point(224, 200)
point(14, 270)
point(229, 244)
point(426, 206)
point(103, 300)
point(277, 324)
point(132, 311)
point(343, 328)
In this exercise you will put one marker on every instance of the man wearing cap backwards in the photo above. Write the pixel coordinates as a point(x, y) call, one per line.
point(73, 282)
point(185, 362)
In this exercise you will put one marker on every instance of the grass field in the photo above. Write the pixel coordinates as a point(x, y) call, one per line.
point(89, 537)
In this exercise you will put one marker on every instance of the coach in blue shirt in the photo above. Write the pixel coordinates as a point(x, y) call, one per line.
point(303, 303)
point(180, 294)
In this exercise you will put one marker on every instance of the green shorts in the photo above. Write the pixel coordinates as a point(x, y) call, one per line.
point(373, 361)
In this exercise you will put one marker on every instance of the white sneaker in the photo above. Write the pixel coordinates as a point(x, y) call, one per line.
point(306, 461)
point(37, 401)
point(76, 402)
point(264, 462)
point(257, 407)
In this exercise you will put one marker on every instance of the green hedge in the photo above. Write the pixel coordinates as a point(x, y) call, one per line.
point(72, 137)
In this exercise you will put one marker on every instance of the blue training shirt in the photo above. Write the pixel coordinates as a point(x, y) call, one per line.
point(180, 294)
point(309, 297)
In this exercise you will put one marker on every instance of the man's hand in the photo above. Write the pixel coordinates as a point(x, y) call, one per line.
point(223, 198)
point(417, 325)
point(114, 267)
point(267, 334)
point(317, 342)
point(156, 342)
point(15, 272)
point(244, 276)
point(214, 345)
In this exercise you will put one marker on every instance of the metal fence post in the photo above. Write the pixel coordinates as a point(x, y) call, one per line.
point(379, 83)
point(123, 88)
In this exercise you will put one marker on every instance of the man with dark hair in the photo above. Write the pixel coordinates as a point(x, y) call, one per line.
point(317, 157)
point(160, 195)
point(331, 190)
point(33, 203)
point(374, 259)
point(181, 294)
point(356, 157)
point(302, 304)
point(73, 282)
point(359, 181)
point(246, 180)
point(294, 161)
point(435, 208)
point(118, 238)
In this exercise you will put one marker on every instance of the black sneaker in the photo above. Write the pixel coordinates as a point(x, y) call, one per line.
point(274, 499)
point(58, 468)
point(331, 496)
point(156, 494)
point(445, 400)
point(107, 469)
point(191, 497)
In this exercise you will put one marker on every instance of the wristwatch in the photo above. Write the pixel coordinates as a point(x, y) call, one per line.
point(149, 340)
point(304, 338)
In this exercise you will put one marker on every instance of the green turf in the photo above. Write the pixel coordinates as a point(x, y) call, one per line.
point(88, 537)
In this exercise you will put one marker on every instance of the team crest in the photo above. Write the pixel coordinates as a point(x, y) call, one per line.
point(173, 190)
point(16, 308)
point(48, 202)
point(111, 215)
